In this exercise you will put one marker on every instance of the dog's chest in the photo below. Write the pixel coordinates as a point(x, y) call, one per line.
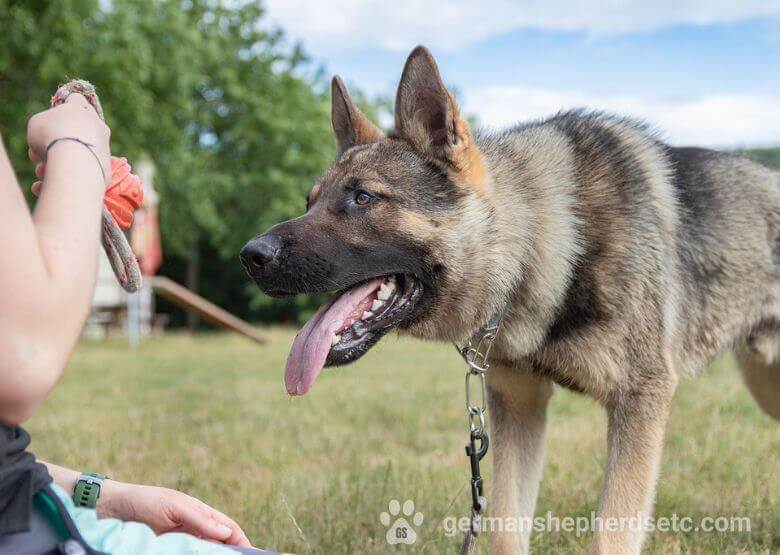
point(589, 365)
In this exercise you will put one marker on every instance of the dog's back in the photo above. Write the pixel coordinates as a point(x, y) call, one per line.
point(676, 244)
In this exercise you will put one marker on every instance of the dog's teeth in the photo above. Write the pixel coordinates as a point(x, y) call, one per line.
point(335, 339)
point(376, 305)
point(385, 290)
point(367, 315)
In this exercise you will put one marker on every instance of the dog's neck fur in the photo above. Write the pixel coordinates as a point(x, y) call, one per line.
point(518, 247)
point(530, 193)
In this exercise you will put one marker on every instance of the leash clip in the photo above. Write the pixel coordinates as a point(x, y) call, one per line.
point(475, 455)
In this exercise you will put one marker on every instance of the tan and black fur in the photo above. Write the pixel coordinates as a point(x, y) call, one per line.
point(627, 265)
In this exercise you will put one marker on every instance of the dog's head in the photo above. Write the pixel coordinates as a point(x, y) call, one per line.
point(384, 226)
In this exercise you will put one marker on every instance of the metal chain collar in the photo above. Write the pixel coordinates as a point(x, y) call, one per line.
point(476, 354)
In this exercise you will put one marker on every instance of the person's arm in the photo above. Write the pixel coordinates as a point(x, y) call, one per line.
point(162, 509)
point(48, 260)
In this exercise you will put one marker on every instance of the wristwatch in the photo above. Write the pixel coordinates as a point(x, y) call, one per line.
point(87, 491)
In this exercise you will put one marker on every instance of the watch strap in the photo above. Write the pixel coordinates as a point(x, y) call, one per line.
point(87, 490)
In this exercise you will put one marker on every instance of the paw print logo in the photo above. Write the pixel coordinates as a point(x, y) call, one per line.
point(400, 530)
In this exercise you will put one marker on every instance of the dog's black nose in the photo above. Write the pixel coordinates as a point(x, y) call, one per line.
point(260, 251)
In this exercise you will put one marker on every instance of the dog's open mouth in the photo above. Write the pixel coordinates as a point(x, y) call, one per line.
point(345, 328)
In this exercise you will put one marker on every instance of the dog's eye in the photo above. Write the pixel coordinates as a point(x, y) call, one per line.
point(362, 198)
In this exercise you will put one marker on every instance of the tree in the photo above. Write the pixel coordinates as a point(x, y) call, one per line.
point(769, 156)
point(237, 124)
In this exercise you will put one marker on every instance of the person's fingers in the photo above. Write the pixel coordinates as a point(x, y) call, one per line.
point(200, 523)
point(237, 537)
point(78, 99)
point(36, 188)
point(40, 170)
point(34, 158)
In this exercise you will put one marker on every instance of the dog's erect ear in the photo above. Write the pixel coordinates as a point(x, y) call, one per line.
point(350, 126)
point(427, 116)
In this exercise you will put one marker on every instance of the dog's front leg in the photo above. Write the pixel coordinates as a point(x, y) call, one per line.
point(517, 404)
point(636, 424)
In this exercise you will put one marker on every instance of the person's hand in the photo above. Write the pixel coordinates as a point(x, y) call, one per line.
point(74, 118)
point(167, 510)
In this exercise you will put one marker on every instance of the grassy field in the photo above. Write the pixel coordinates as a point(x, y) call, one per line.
point(209, 415)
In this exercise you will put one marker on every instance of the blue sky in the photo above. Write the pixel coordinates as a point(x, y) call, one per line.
point(701, 72)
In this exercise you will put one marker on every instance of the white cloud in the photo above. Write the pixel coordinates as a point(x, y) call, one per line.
point(721, 120)
point(334, 25)
point(331, 26)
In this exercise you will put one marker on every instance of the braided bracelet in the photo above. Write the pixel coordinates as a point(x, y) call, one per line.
point(90, 147)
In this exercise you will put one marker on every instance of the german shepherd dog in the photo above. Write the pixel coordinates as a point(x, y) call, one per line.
point(625, 264)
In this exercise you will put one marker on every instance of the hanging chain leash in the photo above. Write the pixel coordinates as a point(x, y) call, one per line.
point(476, 354)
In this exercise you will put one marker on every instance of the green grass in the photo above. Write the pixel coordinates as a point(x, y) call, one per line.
point(209, 415)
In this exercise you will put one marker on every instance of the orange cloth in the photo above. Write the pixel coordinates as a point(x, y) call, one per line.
point(125, 194)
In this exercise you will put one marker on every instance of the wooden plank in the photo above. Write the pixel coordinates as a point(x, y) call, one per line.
point(180, 295)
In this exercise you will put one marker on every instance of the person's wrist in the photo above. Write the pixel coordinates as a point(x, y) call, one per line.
point(72, 157)
point(110, 503)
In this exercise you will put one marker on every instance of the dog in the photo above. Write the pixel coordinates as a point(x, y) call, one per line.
point(624, 265)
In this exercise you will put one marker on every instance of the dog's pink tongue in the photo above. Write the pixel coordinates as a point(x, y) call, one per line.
point(312, 344)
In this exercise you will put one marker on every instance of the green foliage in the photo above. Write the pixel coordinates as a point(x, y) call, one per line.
point(769, 156)
point(237, 124)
